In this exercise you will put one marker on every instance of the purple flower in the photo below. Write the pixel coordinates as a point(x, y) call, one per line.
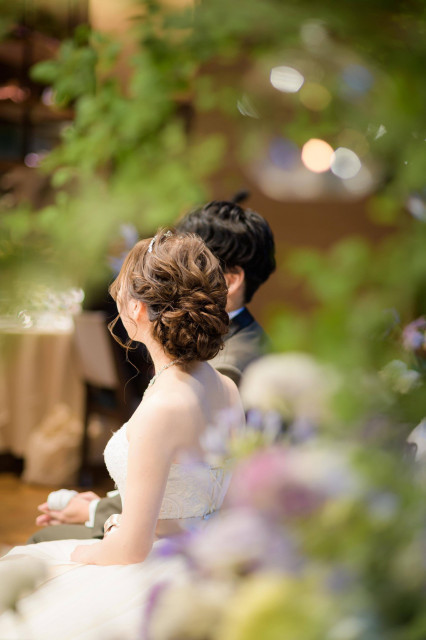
point(266, 483)
point(173, 545)
point(151, 604)
point(290, 482)
point(217, 438)
point(240, 541)
point(414, 336)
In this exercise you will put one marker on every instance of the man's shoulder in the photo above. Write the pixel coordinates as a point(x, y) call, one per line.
point(240, 349)
point(251, 330)
point(245, 345)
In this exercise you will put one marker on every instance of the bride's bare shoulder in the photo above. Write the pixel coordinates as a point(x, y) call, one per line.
point(161, 410)
point(161, 404)
point(229, 385)
point(233, 398)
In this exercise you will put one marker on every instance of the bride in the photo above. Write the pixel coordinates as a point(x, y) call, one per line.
point(171, 295)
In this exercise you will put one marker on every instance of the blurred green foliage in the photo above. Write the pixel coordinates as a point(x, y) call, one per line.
point(132, 153)
point(363, 296)
point(128, 156)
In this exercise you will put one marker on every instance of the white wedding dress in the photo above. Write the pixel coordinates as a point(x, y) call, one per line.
point(94, 602)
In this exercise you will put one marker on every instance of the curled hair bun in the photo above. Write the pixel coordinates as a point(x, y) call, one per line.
point(185, 291)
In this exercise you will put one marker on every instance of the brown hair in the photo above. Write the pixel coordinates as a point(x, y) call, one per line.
point(185, 292)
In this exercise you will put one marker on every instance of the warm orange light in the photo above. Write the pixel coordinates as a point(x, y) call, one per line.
point(316, 155)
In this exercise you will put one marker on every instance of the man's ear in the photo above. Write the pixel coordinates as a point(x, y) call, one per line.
point(234, 280)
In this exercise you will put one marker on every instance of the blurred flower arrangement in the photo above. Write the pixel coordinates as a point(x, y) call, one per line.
point(414, 340)
point(319, 539)
point(324, 535)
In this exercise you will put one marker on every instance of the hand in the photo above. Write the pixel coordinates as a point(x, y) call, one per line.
point(85, 553)
point(76, 511)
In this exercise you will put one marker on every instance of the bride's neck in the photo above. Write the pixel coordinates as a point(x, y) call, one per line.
point(159, 357)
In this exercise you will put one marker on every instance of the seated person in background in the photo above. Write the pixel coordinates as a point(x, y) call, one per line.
point(244, 244)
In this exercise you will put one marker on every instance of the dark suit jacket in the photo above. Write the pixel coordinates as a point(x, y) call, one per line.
point(244, 342)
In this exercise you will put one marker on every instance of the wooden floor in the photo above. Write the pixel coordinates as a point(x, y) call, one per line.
point(18, 503)
point(19, 508)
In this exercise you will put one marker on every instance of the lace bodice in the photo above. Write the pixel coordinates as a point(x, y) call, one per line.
point(193, 490)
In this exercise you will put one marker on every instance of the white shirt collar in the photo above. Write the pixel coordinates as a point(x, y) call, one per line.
point(234, 313)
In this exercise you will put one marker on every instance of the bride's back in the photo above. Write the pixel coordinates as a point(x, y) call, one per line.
point(171, 295)
point(176, 413)
point(195, 399)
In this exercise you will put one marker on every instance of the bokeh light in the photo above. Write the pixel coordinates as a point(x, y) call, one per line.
point(314, 96)
point(357, 79)
point(48, 96)
point(283, 153)
point(417, 207)
point(345, 163)
point(313, 34)
point(316, 155)
point(32, 160)
point(286, 79)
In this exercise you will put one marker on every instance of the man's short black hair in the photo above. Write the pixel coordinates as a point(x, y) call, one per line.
point(238, 237)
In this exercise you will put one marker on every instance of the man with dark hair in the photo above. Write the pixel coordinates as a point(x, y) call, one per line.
point(244, 244)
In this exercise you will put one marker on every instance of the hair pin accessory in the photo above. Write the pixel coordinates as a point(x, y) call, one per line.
point(151, 244)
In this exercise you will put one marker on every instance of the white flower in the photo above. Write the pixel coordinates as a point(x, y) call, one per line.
point(19, 575)
point(293, 384)
point(399, 377)
point(189, 611)
point(418, 438)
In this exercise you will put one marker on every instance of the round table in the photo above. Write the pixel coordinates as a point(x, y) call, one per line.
point(38, 372)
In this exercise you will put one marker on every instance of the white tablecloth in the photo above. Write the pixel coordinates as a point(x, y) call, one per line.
point(38, 375)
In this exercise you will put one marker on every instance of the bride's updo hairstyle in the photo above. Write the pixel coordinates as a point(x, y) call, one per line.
point(183, 287)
